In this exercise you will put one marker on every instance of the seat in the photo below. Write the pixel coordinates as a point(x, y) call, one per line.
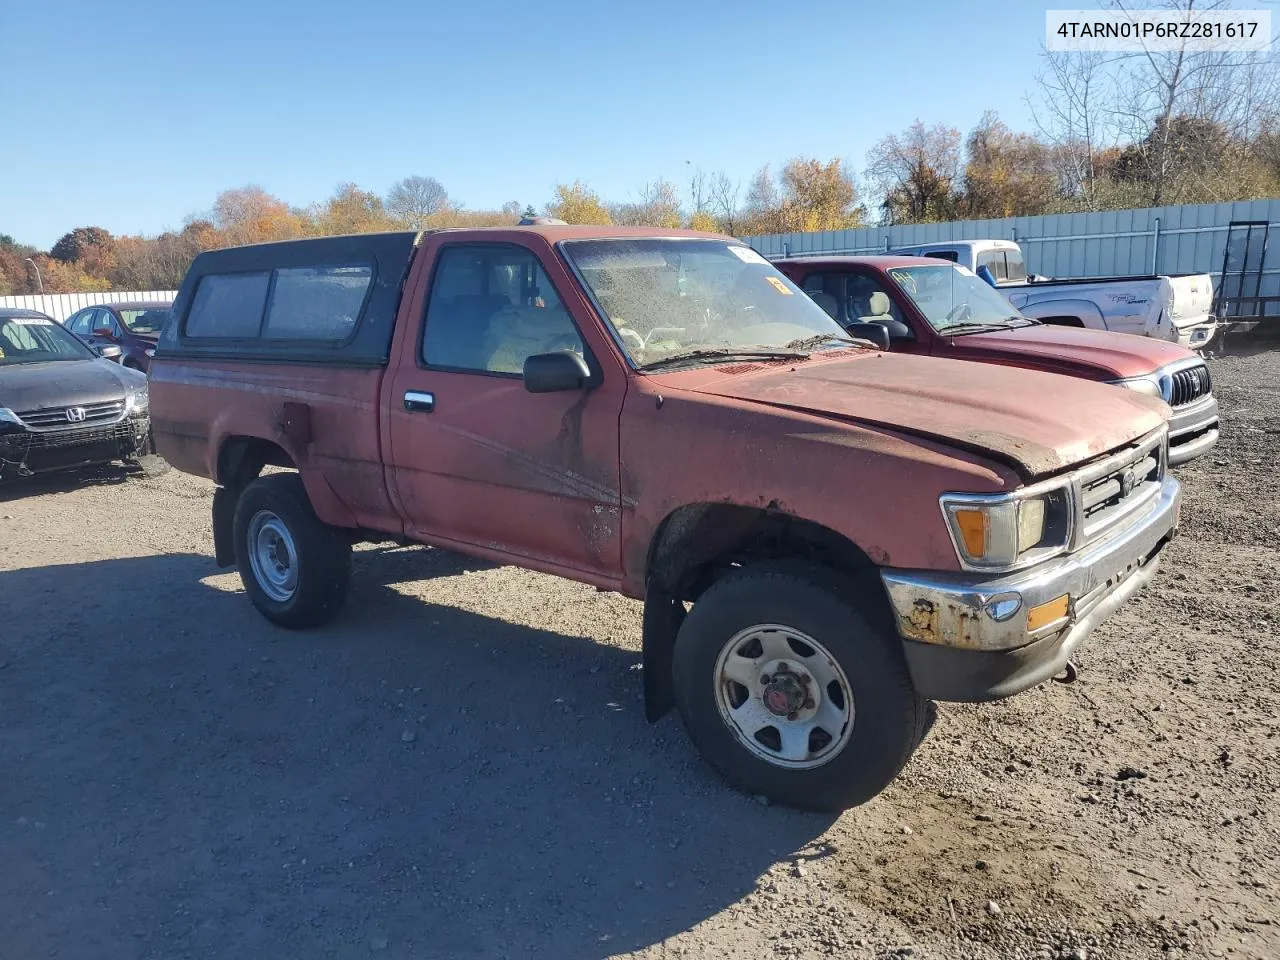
point(827, 302)
point(878, 307)
point(519, 332)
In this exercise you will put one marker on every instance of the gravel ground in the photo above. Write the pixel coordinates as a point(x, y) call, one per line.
point(459, 767)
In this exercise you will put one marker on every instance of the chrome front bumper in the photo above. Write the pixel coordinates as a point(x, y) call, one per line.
point(1193, 430)
point(967, 637)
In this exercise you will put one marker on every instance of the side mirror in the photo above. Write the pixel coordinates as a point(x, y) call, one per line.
point(554, 372)
point(877, 333)
point(108, 351)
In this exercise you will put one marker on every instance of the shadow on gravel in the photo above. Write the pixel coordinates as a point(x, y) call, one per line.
point(183, 779)
point(65, 481)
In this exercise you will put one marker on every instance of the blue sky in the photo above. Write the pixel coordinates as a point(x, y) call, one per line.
point(134, 115)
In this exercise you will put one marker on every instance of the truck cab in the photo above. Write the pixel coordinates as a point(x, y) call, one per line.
point(664, 414)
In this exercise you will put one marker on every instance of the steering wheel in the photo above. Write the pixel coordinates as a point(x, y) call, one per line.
point(958, 314)
point(632, 339)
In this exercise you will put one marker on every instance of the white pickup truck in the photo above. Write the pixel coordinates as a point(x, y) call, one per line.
point(1174, 308)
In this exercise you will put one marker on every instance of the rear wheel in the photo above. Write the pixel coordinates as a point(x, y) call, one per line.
point(791, 691)
point(294, 567)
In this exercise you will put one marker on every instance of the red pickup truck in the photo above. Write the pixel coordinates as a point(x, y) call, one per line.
point(935, 308)
point(824, 535)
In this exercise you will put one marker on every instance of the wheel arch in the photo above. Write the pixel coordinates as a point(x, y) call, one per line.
point(241, 460)
point(696, 544)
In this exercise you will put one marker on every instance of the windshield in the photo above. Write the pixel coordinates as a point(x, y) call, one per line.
point(148, 323)
point(668, 297)
point(953, 297)
point(37, 340)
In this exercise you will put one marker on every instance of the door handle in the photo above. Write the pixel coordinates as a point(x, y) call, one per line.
point(417, 401)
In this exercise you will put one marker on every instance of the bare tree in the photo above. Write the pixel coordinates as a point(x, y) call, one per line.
point(414, 200)
point(915, 173)
point(723, 199)
point(1165, 92)
point(1071, 116)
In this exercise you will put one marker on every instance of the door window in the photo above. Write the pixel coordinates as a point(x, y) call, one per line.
point(80, 323)
point(491, 307)
point(993, 260)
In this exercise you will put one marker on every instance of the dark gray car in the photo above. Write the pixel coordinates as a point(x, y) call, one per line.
point(63, 405)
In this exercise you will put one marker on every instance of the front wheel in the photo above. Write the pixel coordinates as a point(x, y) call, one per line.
point(295, 568)
point(791, 691)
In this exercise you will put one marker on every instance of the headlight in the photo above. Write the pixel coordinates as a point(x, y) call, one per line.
point(1141, 385)
point(8, 416)
point(1155, 385)
point(136, 405)
point(150, 352)
point(1007, 530)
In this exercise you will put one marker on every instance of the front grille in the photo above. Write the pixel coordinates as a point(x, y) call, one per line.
point(55, 418)
point(1109, 490)
point(1190, 385)
point(51, 440)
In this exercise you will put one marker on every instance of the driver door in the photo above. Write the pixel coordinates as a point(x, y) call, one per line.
point(474, 458)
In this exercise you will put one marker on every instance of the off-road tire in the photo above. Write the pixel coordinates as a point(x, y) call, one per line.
point(323, 553)
point(889, 717)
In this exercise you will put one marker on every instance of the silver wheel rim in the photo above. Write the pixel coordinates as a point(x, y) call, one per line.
point(784, 696)
point(273, 556)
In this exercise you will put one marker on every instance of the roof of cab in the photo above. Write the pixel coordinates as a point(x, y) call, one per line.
point(553, 232)
point(136, 305)
point(11, 313)
point(883, 262)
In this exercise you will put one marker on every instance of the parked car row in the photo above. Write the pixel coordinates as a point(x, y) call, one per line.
point(826, 532)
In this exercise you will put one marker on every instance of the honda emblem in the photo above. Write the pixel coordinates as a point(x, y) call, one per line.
point(75, 414)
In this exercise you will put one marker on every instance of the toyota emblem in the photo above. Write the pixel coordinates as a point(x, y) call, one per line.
point(1127, 481)
point(75, 414)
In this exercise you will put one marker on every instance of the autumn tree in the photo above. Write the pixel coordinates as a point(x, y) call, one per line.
point(916, 172)
point(73, 246)
point(16, 275)
point(251, 215)
point(351, 210)
point(577, 203)
point(413, 201)
point(809, 195)
point(1006, 174)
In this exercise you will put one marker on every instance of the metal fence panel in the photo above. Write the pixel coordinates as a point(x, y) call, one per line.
point(1166, 240)
point(62, 305)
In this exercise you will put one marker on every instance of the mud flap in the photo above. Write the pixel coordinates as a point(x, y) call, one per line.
point(663, 615)
point(224, 511)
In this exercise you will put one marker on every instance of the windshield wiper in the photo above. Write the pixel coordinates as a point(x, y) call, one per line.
point(808, 343)
point(974, 328)
point(722, 353)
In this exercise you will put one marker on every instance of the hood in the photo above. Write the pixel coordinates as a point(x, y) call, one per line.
point(65, 383)
point(1096, 354)
point(1037, 423)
